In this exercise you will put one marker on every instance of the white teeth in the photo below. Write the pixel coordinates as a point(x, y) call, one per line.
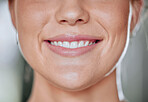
point(81, 44)
point(66, 44)
point(52, 43)
point(86, 43)
point(55, 43)
point(60, 43)
point(90, 43)
point(74, 44)
point(93, 43)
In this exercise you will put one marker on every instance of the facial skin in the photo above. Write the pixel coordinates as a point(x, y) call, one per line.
point(38, 20)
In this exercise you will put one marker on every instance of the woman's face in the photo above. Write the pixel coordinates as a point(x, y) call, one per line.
point(40, 22)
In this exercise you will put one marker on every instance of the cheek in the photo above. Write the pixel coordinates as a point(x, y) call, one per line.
point(30, 22)
point(36, 18)
point(115, 24)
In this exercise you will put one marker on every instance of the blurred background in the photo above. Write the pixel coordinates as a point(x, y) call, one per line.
point(134, 68)
point(11, 61)
point(132, 76)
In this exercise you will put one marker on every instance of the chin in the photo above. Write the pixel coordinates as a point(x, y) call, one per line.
point(73, 82)
point(73, 87)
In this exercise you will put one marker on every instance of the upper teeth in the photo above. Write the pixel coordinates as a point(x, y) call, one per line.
point(72, 45)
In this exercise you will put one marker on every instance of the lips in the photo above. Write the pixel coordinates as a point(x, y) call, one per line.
point(72, 45)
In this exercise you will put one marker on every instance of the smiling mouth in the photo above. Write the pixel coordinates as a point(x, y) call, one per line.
point(72, 45)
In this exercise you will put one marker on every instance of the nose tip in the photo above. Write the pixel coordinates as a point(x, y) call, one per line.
point(72, 16)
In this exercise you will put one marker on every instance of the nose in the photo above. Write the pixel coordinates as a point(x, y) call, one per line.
point(71, 14)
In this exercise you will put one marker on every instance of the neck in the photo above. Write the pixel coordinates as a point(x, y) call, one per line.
point(103, 91)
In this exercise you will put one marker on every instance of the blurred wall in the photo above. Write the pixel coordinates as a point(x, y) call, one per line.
point(134, 68)
point(11, 62)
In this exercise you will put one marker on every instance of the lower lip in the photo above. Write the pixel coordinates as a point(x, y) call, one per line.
point(66, 52)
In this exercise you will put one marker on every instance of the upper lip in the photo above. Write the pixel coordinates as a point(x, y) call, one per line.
point(73, 37)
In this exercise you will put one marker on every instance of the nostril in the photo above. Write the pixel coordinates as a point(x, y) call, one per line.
point(63, 21)
point(79, 20)
point(71, 21)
